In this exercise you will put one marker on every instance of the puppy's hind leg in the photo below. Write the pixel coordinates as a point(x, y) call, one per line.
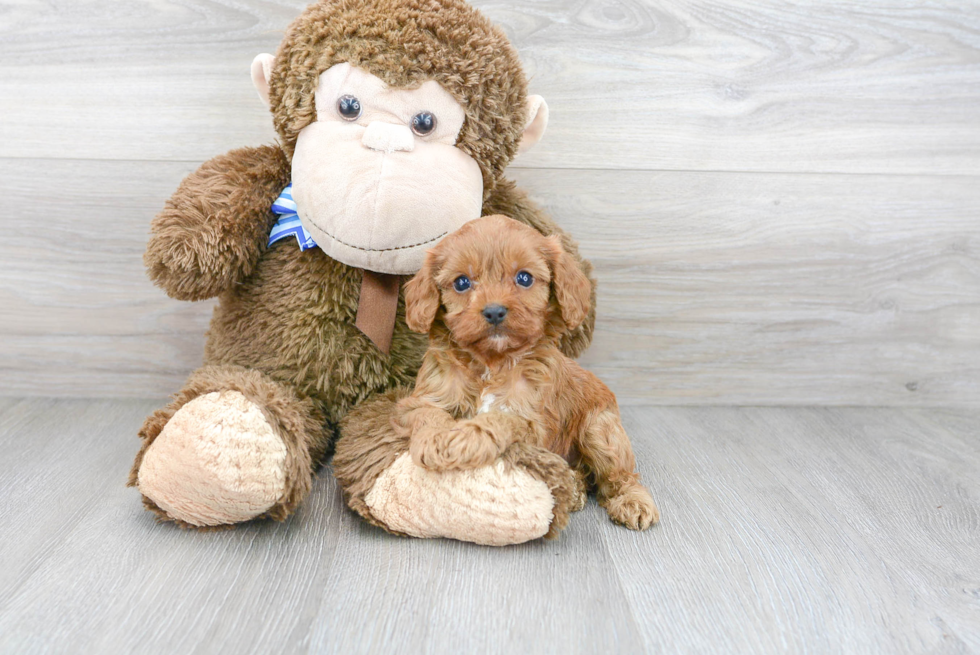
point(608, 456)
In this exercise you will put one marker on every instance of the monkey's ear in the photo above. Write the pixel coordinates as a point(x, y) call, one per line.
point(537, 121)
point(570, 285)
point(422, 297)
point(261, 71)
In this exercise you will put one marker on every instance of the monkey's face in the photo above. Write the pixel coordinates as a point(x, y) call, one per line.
point(396, 113)
point(377, 178)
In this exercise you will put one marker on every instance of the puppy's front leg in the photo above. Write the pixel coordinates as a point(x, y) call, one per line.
point(469, 443)
point(607, 452)
point(488, 434)
point(425, 425)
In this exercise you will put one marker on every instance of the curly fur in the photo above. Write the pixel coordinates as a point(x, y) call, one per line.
point(485, 385)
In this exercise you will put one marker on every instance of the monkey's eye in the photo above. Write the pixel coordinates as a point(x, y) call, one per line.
point(524, 279)
point(349, 108)
point(461, 284)
point(423, 123)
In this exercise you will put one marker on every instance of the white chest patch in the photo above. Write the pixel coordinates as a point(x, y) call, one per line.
point(487, 401)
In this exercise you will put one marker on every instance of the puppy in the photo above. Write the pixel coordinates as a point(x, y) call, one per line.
point(495, 297)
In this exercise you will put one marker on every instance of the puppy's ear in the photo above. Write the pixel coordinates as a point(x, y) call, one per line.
point(570, 285)
point(422, 296)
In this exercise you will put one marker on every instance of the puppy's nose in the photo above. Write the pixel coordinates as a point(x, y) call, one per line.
point(495, 314)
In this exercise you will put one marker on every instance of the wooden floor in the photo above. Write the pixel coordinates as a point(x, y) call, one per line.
point(785, 530)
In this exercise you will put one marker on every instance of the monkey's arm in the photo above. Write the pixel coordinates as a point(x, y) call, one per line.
point(213, 229)
point(510, 201)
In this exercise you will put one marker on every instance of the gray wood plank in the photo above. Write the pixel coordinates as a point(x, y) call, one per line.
point(956, 423)
point(901, 501)
point(554, 597)
point(784, 530)
point(62, 459)
point(804, 530)
point(763, 86)
point(842, 290)
point(718, 288)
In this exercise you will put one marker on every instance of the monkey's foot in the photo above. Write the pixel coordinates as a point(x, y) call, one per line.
point(217, 461)
point(522, 496)
point(489, 505)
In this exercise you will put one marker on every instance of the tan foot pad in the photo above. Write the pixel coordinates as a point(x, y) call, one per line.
point(491, 505)
point(217, 461)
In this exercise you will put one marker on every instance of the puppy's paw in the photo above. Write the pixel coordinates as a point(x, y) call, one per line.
point(634, 508)
point(464, 446)
point(426, 447)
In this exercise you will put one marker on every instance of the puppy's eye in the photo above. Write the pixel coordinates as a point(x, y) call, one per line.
point(461, 284)
point(349, 108)
point(524, 279)
point(423, 123)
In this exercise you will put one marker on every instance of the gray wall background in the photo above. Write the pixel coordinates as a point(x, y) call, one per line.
point(782, 200)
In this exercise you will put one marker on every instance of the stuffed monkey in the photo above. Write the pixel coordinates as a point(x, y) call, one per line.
point(396, 119)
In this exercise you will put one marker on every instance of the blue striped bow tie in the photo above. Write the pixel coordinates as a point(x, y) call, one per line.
point(289, 223)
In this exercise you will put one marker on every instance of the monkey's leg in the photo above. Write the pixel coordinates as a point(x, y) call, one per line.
point(608, 456)
point(233, 445)
point(527, 493)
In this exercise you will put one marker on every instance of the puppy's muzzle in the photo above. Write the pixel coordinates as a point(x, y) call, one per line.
point(495, 314)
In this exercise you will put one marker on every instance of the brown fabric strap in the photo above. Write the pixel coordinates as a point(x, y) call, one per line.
point(377, 307)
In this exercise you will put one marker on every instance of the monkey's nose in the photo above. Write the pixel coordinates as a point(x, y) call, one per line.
point(495, 314)
point(388, 137)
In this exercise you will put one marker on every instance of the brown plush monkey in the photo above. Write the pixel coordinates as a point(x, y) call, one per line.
point(396, 119)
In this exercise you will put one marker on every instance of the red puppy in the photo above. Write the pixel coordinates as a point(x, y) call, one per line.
point(495, 297)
